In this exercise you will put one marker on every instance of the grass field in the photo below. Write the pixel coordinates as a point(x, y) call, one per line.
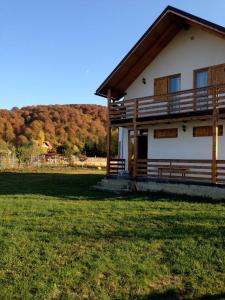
point(59, 239)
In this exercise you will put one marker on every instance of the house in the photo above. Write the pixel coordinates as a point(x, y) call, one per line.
point(167, 98)
point(47, 146)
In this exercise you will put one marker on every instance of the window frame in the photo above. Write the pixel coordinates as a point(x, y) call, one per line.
point(171, 77)
point(206, 69)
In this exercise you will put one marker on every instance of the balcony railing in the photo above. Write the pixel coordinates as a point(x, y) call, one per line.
point(116, 166)
point(199, 170)
point(196, 170)
point(186, 101)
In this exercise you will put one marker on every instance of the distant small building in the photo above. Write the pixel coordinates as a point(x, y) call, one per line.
point(47, 145)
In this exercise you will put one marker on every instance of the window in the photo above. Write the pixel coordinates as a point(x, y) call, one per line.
point(201, 80)
point(174, 86)
point(202, 131)
point(166, 85)
point(165, 133)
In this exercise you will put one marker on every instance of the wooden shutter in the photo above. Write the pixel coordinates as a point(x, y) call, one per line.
point(217, 74)
point(165, 133)
point(161, 86)
point(202, 131)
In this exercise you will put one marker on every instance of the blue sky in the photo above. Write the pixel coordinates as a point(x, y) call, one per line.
point(59, 51)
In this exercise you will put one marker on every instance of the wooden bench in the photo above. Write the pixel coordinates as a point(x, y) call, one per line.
point(172, 170)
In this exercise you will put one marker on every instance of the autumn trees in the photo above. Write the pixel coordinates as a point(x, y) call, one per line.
point(79, 128)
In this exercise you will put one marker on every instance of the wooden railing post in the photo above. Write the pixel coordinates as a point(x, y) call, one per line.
point(109, 133)
point(215, 135)
point(135, 137)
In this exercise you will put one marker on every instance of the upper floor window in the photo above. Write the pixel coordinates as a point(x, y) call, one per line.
point(201, 80)
point(166, 85)
point(174, 86)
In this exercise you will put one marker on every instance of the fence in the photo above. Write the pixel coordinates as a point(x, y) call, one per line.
point(8, 162)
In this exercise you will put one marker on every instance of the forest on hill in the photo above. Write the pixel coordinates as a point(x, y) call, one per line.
point(73, 128)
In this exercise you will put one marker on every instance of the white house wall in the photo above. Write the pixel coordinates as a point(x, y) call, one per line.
point(185, 146)
point(188, 51)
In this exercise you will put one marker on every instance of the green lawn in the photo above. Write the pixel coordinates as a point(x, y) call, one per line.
point(59, 239)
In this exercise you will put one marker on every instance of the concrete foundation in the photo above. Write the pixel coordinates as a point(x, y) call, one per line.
point(196, 190)
point(118, 185)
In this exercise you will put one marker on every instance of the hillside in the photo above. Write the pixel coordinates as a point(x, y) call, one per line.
point(81, 127)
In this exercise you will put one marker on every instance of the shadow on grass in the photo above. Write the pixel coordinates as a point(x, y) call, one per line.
point(74, 187)
point(62, 185)
point(173, 294)
point(157, 229)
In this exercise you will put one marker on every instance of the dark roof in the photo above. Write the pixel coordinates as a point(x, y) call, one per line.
point(160, 33)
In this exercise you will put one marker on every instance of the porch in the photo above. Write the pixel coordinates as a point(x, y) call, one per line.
point(177, 170)
point(200, 104)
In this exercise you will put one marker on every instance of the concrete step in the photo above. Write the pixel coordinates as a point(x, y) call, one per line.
point(116, 181)
point(113, 185)
point(110, 189)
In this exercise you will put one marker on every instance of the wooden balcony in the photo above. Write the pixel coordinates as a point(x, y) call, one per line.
point(192, 102)
point(184, 170)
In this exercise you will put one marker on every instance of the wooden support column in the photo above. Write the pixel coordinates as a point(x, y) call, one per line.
point(215, 139)
point(109, 134)
point(135, 138)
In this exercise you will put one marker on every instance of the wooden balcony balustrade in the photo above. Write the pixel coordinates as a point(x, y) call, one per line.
point(186, 101)
point(116, 166)
point(197, 170)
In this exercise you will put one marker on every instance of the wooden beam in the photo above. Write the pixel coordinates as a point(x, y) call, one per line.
point(215, 136)
point(165, 120)
point(135, 138)
point(109, 134)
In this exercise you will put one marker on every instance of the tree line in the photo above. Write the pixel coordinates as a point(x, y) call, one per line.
point(70, 129)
